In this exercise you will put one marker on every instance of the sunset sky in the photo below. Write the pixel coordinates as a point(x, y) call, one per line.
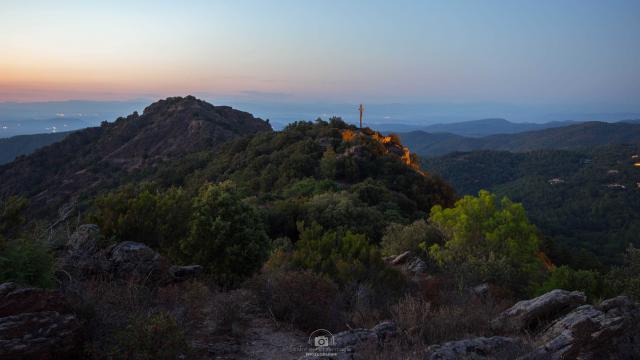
point(526, 52)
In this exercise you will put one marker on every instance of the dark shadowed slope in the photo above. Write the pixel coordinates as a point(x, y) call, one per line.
point(569, 137)
point(101, 157)
point(12, 147)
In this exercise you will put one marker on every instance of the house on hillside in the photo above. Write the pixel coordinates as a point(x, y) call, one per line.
point(616, 186)
point(555, 181)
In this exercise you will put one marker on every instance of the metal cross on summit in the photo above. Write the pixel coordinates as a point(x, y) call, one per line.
point(361, 108)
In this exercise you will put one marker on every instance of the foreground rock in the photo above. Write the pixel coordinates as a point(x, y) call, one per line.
point(349, 341)
point(610, 330)
point(37, 324)
point(83, 257)
point(529, 314)
point(497, 347)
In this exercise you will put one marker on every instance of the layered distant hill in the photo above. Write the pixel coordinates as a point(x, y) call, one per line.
point(586, 201)
point(103, 156)
point(576, 136)
point(476, 128)
point(12, 147)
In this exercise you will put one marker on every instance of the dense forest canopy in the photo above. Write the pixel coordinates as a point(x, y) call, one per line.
point(587, 203)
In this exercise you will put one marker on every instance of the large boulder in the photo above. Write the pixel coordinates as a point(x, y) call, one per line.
point(82, 256)
point(37, 324)
point(348, 342)
point(496, 347)
point(530, 314)
point(130, 259)
point(610, 330)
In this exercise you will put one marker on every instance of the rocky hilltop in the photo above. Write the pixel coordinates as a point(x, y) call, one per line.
point(100, 157)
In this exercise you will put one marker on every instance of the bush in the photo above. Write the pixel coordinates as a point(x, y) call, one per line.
point(226, 236)
point(626, 279)
point(399, 238)
point(146, 214)
point(302, 298)
point(488, 240)
point(346, 258)
point(28, 262)
point(588, 281)
point(154, 337)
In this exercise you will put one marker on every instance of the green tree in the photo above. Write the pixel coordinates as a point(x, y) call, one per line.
point(11, 217)
point(345, 257)
point(626, 278)
point(144, 213)
point(563, 277)
point(488, 240)
point(413, 237)
point(23, 259)
point(328, 163)
point(226, 235)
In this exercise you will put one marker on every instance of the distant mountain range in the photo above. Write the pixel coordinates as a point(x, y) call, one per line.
point(476, 128)
point(576, 136)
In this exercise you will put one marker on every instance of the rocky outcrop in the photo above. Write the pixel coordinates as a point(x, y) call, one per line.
point(81, 255)
point(557, 325)
point(610, 330)
point(16, 300)
point(130, 259)
point(346, 343)
point(182, 273)
point(83, 258)
point(37, 324)
point(497, 347)
point(530, 314)
point(408, 263)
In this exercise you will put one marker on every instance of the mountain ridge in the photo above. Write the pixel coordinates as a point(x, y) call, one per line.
point(94, 157)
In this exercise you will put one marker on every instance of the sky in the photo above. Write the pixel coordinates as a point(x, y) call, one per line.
point(555, 52)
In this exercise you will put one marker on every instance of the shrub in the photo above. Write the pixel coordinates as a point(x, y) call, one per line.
point(488, 240)
point(144, 213)
point(626, 279)
point(154, 337)
point(588, 281)
point(346, 258)
point(229, 310)
point(399, 238)
point(28, 262)
point(226, 236)
point(302, 298)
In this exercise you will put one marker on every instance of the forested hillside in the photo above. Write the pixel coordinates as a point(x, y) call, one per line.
point(586, 202)
point(196, 229)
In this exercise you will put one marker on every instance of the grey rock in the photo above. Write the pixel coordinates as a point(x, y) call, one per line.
point(7, 287)
point(610, 330)
point(401, 259)
point(131, 259)
point(181, 273)
point(40, 335)
point(481, 290)
point(496, 347)
point(528, 314)
point(417, 266)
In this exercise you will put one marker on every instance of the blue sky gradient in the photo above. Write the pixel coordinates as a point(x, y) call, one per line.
point(558, 53)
